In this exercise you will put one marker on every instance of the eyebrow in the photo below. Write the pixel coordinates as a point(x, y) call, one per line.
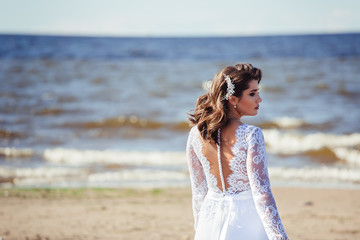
point(254, 90)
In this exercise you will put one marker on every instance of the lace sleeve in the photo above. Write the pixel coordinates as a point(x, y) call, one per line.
point(260, 186)
point(197, 177)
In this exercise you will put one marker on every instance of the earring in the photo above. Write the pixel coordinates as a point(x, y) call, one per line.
point(235, 105)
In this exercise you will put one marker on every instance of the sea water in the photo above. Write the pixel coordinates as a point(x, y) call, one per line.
point(112, 112)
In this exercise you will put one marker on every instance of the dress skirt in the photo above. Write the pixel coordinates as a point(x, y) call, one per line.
point(229, 217)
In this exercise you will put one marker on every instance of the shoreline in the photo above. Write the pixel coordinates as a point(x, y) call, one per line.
point(144, 186)
point(162, 213)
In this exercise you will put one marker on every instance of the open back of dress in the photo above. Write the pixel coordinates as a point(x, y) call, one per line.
point(221, 160)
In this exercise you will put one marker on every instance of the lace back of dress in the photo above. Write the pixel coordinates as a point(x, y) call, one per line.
point(219, 162)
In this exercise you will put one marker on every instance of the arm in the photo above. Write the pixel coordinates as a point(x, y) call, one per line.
point(197, 177)
point(260, 186)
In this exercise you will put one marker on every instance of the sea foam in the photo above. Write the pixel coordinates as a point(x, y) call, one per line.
point(142, 177)
point(16, 152)
point(81, 157)
point(290, 143)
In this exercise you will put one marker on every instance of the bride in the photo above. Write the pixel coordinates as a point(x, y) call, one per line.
point(227, 161)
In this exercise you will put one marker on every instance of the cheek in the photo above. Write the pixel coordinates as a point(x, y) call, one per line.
point(247, 101)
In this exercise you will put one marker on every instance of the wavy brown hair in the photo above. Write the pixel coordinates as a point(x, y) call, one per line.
point(211, 112)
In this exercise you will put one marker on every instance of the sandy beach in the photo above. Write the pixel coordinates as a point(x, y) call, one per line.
point(161, 213)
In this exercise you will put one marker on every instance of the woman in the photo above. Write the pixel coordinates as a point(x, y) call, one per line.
point(227, 161)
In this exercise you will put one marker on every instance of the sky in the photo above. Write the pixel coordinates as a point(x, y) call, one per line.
point(178, 17)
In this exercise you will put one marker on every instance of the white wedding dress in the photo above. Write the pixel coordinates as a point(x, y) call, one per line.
point(246, 209)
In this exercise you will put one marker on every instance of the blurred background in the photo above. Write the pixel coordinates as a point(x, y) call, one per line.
point(97, 94)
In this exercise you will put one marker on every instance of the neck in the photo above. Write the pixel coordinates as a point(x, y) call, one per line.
point(235, 120)
point(234, 115)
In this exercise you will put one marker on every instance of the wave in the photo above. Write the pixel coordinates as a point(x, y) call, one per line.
point(69, 177)
point(83, 157)
point(40, 176)
point(351, 155)
point(322, 155)
point(16, 152)
point(142, 177)
point(322, 174)
point(41, 172)
point(138, 175)
point(284, 122)
point(320, 147)
point(111, 168)
point(323, 144)
point(129, 121)
point(293, 123)
point(144, 123)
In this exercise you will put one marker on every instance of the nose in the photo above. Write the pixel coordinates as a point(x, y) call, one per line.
point(259, 99)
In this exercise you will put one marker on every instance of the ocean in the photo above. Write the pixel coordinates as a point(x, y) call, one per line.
point(112, 111)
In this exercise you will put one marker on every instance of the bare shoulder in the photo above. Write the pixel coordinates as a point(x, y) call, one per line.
point(229, 132)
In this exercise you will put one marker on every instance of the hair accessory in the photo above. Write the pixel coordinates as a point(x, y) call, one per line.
point(230, 87)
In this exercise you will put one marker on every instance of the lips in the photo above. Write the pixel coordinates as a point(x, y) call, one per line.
point(257, 108)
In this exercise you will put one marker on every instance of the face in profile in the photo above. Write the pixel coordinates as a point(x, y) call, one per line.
point(248, 104)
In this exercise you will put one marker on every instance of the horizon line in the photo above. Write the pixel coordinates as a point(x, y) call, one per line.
point(174, 35)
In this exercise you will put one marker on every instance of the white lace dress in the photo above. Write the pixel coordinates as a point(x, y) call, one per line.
point(246, 209)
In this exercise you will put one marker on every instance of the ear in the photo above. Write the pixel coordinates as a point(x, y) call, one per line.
point(233, 100)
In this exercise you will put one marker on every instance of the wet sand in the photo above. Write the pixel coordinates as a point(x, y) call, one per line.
point(161, 213)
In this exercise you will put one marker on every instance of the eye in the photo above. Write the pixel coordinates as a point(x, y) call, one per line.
point(252, 94)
